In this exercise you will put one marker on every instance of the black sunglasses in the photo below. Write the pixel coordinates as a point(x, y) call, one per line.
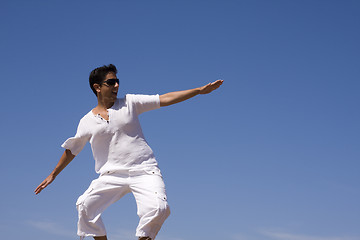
point(111, 81)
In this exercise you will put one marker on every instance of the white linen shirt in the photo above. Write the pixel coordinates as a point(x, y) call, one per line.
point(117, 144)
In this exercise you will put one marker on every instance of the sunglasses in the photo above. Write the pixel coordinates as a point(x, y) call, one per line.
point(111, 81)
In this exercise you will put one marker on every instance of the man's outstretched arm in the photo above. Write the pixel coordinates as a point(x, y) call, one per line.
point(65, 159)
point(179, 96)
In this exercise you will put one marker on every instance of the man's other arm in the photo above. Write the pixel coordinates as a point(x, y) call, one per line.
point(179, 96)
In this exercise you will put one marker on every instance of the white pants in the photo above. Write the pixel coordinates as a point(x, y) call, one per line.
point(149, 191)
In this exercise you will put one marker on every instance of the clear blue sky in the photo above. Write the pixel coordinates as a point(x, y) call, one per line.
point(274, 154)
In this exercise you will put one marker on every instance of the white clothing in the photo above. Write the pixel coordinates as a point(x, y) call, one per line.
point(118, 144)
point(148, 189)
point(125, 163)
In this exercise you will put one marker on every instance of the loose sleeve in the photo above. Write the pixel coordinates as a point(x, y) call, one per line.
point(144, 103)
point(76, 144)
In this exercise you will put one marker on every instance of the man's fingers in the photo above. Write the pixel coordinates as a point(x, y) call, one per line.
point(38, 190)
point(208, 88)
point(41, 187)
point(219, 81)
point(216, 84)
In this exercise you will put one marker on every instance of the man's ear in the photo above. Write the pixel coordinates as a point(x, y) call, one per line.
point(97, 87)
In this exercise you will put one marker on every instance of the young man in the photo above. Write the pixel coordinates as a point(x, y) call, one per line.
point(122, 156)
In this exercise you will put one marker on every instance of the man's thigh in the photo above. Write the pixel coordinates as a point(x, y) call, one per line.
point(149, 192)
point(102, 192)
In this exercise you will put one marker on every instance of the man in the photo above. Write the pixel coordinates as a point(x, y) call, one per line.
point(123, 159)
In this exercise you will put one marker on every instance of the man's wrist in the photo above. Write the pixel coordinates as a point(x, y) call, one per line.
point(198, 90)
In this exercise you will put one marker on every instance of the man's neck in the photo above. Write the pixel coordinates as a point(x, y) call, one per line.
point(104, 103)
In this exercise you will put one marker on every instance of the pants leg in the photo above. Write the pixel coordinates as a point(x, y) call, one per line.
point(102, 193)
point(150, 195)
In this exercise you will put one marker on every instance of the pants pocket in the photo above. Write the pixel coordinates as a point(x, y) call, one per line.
point(161, 195)
point(153, 171)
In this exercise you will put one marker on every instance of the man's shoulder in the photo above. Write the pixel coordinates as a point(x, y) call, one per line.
point(87, 116)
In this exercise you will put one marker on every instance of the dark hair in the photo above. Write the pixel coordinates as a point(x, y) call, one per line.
point(98, 75)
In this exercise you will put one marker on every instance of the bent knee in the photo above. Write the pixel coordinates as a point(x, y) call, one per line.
point(164, 210)
point(167, 211)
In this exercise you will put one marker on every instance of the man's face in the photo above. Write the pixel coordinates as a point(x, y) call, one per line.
point(107, 90)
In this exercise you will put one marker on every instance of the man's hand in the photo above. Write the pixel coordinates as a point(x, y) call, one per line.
point(65, 159)
point(211, 87)
point(44, 184)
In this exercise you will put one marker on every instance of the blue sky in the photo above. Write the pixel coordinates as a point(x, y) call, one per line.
point(272, 155)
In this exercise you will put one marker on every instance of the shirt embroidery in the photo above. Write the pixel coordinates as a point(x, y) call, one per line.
point(99, 116)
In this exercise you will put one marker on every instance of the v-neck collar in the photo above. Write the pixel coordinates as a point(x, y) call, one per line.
point(108, 112)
